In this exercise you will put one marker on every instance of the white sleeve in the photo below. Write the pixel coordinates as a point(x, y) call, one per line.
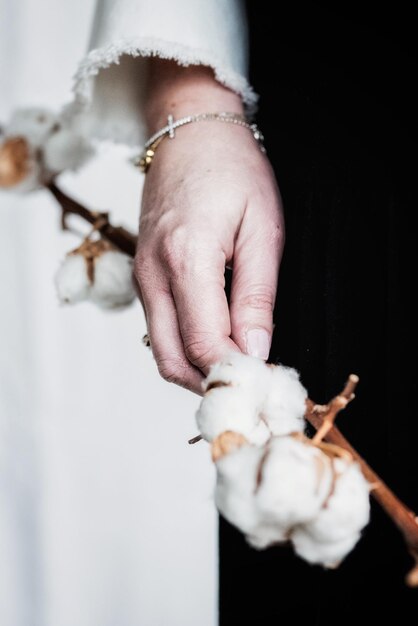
point(110, 82)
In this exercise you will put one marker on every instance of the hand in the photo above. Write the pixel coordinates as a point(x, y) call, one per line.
point(210, 199)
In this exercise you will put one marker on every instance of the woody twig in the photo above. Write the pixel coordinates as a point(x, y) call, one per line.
point(119, 236)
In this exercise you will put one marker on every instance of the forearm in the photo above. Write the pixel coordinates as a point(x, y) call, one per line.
point(180, 91)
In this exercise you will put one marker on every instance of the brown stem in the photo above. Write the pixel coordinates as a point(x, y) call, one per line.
point(119, 236)
point(195, 439)
point(401, 515)
point(335, 406)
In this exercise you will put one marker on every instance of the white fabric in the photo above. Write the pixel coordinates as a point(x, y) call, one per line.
point(107, 515)
point(110, 84)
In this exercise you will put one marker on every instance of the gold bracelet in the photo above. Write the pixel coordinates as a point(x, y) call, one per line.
point(144, 160)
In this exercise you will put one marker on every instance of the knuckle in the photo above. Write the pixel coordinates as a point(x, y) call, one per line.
point(173, 370)
point(199, 350)
point(173, 246)
point(182, 251)
point(259, 298)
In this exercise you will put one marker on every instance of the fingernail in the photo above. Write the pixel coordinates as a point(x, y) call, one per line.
point(258, 343)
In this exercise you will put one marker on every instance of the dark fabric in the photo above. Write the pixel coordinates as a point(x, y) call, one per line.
point(337, 109)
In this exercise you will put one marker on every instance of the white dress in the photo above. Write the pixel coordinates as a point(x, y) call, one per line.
point(107, 515)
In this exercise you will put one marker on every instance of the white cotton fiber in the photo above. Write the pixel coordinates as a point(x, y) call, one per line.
point(235, 487)
point(34, 124)
point(113, 283)
point(347, 510)
point(284, 405)
point(260, 434)
point(296, 479)
point(328, 554)
point(267, 534)
point(222, 409)
point(329, 537)
point(237, 476)
point(235, 405)
point(241, 371)
point(66, 150)
point(71, 279)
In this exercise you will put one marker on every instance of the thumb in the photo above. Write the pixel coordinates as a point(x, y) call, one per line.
point(257, 256)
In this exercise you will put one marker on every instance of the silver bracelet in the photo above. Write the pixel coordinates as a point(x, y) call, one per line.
point(143, 161)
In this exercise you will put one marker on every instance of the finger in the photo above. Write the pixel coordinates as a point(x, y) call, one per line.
point(257, 255)
point(166, 341)
point(198, 286)
point(138, 292)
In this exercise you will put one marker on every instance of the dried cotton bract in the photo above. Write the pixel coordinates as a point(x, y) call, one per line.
point(97, 272)
point(20, 169)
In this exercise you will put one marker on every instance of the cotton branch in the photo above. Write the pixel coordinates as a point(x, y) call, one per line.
point(119, 236)
point(322, 419)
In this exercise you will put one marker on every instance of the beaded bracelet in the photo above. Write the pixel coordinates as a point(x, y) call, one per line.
point(144, 160)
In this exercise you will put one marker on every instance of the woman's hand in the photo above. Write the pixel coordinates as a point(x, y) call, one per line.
point(210, 199)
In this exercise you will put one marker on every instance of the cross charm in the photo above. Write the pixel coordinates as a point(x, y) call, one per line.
point(170, 122)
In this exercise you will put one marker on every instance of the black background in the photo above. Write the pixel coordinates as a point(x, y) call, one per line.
point(337, 107)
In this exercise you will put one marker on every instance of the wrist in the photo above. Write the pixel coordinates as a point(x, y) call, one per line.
point(181, 91)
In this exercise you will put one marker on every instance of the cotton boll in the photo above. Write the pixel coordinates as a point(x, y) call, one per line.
point(34, 124)
point(328, 554)
point(37, 146)
point(97, 272)
point(113, 283)
point(347, 510)
point(226, 408)
point(66, 150)
point(284, 405)
point(234, 393)
point(295, 481)
point(72, 281)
